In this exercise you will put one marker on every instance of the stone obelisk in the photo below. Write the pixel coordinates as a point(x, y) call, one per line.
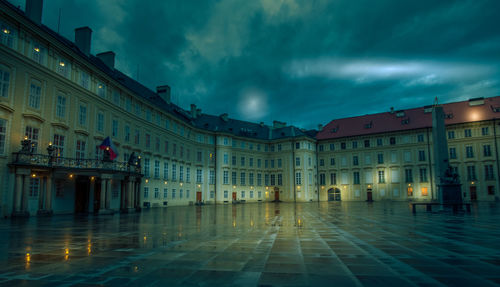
point(449, 189)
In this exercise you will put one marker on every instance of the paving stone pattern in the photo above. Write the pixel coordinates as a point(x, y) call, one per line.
point(261, 244)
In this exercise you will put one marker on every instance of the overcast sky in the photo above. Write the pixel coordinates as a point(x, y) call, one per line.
point(302, 62)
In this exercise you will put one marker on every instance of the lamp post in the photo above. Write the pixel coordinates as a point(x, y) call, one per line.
point(26, 146)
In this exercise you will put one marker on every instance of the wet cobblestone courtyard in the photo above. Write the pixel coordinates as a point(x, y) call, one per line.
point(262, 244)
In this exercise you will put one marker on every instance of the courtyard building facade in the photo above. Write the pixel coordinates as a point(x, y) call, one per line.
point(58, 103)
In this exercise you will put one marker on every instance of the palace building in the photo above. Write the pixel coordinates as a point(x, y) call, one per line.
point(58, 103)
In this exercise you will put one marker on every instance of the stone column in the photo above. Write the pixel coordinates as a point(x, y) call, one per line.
point(130, 199)
point(48, 194)
point(103, 194)
point(24, 200)
point(108, 193)
point(138, 207)
point(18, 192)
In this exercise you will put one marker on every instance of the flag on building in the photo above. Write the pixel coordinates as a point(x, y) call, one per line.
point(107, 144)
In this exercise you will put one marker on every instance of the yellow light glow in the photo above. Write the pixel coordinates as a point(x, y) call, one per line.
point(70, 175)
point(50, 143)
point(28, 258)
point(251, 187)
point(298, 186)
point(267, 187)
point(199, 185)
point(409, 184)
point(66, 251)
point(33, 175)
point(180, 184)
point(37, 49)
point(145, 238)
point(6, 31)
point(322, 187)
point(25, 137)
point(100, 86)
point(92, 178)
point(234, 186)
point(62, 64)
point(369, 186)
point(147, 180)
point(165, 182)
point(472, 182)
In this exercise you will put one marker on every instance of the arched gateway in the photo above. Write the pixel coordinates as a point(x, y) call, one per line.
point(334, 194)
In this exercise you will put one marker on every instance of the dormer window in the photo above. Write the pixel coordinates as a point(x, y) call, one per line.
point(405, 121)
point(369, 125)
point(400, 114)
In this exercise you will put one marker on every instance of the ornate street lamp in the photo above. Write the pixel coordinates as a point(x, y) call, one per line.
point(26, 146)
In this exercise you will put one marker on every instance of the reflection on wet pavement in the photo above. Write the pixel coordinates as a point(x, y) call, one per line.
point(268, 244)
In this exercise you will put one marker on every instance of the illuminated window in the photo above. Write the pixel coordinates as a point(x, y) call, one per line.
point(101, 90)
point(38, 53)
point(410, 191)
point(63, 67)
point(58, 144)
point(8, 36)
point(424, 191)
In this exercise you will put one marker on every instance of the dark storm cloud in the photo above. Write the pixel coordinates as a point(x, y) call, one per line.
point(303, 62)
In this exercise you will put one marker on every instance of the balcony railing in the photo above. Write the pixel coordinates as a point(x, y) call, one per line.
point(42, 160)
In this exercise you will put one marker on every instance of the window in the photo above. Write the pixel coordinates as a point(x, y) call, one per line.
point(491, 190)
point(114, 128)
point(322, 180)
point(225, 194)
point(380, 158)
point(297, 145)
point(38, 53)
point(279, 147)
point(225, 177)
point(58, 145)
point(174, 172)
point(451, 135)
point(469, 152)
point(471, 172)
point(333, 178)
point(332, 146)
point(421, 155)
point(408, 175)
point(233, 178)
point(157, 169)
point(35, 94)
point(242, 161)
point(453, 153)
point(259, 162)
point(354, 145)
point(279, 163)
point(425, 191)
point(233, 160)
point(298, 179)
point(4, 81)
point(367, 143)
point(392, 141)
point(181, 194)
point(250, 178)
point(280, 179)
point(80, 149)
point(82, 115)
point(188, 174)
point(8, 36)
point(146, 167)
point(226, 158)
point(173, 193)
point(181, 173)
point(165, 193)
point(297, 161)
point(381, 176)
point(486, 150)
point(211, 177)
point(342, 146)
point(165, 170)
point(148, 140)
point(355, 177)
point(146, 192)
point(157, 193)
point(137, 137)
point(266, 179)
point(100, 122)
point(3, 134)
point(84, 80)
point(63, 67)
point(467, 133)
point(423, 175)
point(321, 162)
point(420, 138)
point(321, 147)
point(484, 131)
point(488, 172)
point(242, 194)
point(251, 193)
point(355, 160)
point(259, 179)
point(273, 179)
point(242, 178)
point(198, 176)
point(379, 142)
point(34, 187)
point(101, 90)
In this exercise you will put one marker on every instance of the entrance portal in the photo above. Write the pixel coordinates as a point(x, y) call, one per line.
point(234, 195)
point(82, 189)
point(276, 194)
point(334, 194)
point(198, 196)
point(473, 193)
point(369, 195)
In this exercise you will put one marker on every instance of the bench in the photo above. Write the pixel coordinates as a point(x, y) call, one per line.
point(428, 206)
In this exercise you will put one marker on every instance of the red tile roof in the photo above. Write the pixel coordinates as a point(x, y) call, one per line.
point(458, 112)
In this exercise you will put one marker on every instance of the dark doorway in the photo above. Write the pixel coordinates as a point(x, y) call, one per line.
point(473, 193)
point(334, 194)
point(369, 195)
point(97, 195)
point(198, 196)
point(82, 189)
point(276, 194)
point(234, 195)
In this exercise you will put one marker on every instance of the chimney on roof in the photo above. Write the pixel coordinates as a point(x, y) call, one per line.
point(224, 117)
point(107, 58)
point(320, 127)
point(83, 35)
point(164, 93)
point(198, 112)
point(193, 111)
point(278, 124)
point(392, 110)
point(34, 10)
